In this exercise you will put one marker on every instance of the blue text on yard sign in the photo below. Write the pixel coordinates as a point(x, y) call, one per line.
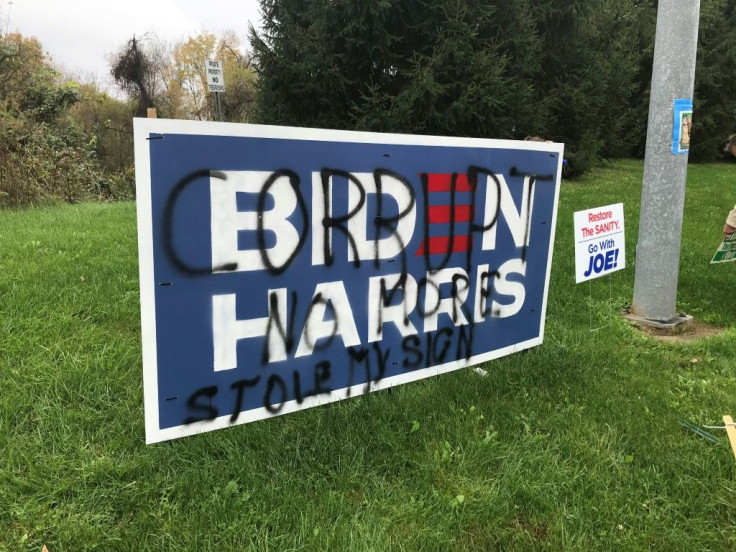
point(282, 268)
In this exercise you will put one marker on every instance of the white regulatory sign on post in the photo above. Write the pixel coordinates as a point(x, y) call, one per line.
point(215, 76)
point(599, 242)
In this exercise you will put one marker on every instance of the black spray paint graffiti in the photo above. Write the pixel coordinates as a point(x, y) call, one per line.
point(260, 234)
point(417, 352)
point(167, 230)
point(168, 218)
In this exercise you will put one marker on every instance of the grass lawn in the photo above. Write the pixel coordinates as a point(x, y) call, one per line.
point(573, 445)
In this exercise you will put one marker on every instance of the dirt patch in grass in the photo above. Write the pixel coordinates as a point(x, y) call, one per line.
point(684, 333)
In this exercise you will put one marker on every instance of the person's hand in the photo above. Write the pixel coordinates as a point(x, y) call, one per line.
point(728, 230)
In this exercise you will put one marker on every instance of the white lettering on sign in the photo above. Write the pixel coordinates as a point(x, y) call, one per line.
point(491, 283)
point(381, 288)
point(227, 329)
point(392, 189)
point(342, 322)
point(226, 220)
point(518, 220)
point(392, 298)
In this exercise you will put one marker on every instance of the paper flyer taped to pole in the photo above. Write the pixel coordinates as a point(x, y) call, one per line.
point(682, 125)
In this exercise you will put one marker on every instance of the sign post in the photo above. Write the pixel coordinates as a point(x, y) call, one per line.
point(215, 83)
point(283, 268)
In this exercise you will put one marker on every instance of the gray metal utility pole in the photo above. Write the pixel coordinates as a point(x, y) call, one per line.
point(663, 191)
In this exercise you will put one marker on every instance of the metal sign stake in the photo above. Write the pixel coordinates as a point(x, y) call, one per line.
point(218, 106)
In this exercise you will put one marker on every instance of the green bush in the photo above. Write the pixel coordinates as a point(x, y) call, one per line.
point(45, 153)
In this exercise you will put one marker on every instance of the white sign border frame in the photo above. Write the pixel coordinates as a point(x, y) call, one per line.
point(144, 127)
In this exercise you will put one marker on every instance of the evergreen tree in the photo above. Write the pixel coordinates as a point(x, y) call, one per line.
point(714, 114)
point(643, 25)
point(459, 78)
point(588, 76)
point(314, 57)
point(402, 66)
point(576, 72)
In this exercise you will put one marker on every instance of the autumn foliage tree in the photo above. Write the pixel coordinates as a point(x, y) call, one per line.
point(187, 85)
point(172, 78)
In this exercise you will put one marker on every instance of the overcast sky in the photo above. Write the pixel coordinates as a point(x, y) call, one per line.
point(80, 34)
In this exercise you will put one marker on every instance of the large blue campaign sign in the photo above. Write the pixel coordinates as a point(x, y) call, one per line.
point(283, 268)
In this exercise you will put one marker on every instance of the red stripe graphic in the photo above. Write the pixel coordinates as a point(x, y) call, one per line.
point(440, 214)
point(439, 182)
point(440, 244)
point(443, 214)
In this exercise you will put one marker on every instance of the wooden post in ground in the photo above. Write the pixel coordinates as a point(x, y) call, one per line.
point(152, 113)
point(730, 431)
